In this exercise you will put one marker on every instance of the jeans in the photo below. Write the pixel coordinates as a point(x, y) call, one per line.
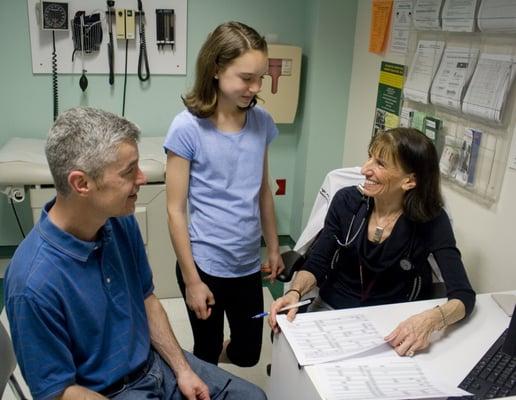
point(160, 383)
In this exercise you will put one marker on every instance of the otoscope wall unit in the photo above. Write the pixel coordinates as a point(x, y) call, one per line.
point(124, 23)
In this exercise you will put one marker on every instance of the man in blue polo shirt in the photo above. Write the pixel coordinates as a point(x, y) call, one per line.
point(79, 293)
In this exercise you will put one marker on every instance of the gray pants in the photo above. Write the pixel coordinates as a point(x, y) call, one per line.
point(160, 383)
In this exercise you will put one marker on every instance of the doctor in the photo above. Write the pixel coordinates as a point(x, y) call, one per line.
point(376, 240)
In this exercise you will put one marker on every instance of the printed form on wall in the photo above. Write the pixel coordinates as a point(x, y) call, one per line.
point(459, 15)
point(452, 77)
point(401, 22)
point(422, 71)
point(427, 14)
point(497, 16)
point(489, 87)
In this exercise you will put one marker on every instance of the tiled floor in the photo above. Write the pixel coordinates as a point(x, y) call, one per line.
point(177, 315)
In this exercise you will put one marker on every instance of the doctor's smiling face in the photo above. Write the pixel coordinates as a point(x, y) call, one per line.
point(384, 176)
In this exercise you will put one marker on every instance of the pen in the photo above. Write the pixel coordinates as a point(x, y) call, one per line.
point(289, 307)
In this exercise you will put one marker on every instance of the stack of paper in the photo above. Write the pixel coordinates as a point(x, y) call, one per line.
point(453, 76)
point(422, 71)
point(489, 87)
point(459, 15)
point(427, 14)
point(497, 16)
point(319, 338)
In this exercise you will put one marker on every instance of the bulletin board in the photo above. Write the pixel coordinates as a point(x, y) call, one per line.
point(163, 60)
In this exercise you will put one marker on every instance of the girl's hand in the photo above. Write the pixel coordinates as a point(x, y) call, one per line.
point(199, 298)
point(273, 266)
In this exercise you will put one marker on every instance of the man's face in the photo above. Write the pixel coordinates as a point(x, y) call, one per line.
point(116, 193)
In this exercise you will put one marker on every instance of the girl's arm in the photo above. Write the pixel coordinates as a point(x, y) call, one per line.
point(198, 295)
point(274, 264)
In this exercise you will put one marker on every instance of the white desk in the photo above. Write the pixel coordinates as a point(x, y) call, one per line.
point(454, 353)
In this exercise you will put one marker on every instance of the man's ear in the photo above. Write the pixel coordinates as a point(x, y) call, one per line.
point(79, 182)
point(409, 183)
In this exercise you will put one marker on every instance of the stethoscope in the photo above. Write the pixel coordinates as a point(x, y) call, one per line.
point(351, 235)
point(365, 200)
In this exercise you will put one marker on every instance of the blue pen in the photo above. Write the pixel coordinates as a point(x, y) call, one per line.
point(289, 307)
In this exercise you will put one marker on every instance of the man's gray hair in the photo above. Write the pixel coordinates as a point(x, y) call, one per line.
point(85, 139)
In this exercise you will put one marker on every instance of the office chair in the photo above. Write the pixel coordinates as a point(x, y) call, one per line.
point(8, 365)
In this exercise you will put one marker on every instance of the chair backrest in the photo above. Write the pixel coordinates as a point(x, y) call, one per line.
point(8, 363)
point(334, 180)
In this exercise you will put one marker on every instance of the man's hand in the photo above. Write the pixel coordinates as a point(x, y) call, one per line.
point(273, 266)
point(192, 387)
point(198, 297)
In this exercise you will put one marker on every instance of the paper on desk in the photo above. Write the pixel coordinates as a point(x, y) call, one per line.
point(322, 337)
point(455, 71)
point(422, 71)
point(380, 378)
point(490, 85)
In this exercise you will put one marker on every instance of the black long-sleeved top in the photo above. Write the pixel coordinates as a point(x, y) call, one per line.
point(362, 273)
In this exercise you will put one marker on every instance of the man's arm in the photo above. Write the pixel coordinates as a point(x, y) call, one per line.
point(76, 392)
point(165, 343)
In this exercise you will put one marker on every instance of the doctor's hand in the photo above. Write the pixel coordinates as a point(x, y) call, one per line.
point(287, 299)
point(273, 266)
point(413, 334)
point(198, 298)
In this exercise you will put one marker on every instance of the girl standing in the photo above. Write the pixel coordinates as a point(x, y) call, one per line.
point(217, 163)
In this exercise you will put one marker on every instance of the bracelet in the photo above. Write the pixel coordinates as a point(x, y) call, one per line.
point(443, 317)
point(293, 290)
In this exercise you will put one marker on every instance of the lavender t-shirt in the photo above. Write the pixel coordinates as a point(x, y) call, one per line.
point(223, 199)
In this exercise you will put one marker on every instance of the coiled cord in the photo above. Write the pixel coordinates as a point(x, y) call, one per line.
point(143, 55)
point(54, 77)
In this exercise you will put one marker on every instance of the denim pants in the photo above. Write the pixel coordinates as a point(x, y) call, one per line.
point(160, 383)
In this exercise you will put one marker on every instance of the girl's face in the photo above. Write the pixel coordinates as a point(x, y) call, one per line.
point(242, 79)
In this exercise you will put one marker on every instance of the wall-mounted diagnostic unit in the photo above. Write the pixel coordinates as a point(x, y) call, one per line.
point(280, 89)
point(54, 16)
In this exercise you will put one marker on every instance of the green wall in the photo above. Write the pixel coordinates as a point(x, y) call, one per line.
point(303, 152)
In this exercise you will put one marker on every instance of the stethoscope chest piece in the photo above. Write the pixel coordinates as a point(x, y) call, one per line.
point(405, 264)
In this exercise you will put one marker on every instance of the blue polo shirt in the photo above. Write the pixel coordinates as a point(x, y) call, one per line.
point(76, 309)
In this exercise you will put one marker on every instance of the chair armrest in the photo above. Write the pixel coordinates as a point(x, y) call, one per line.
point(293, 261)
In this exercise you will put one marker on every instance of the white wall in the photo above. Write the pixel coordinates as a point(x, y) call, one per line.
point(486, 237)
